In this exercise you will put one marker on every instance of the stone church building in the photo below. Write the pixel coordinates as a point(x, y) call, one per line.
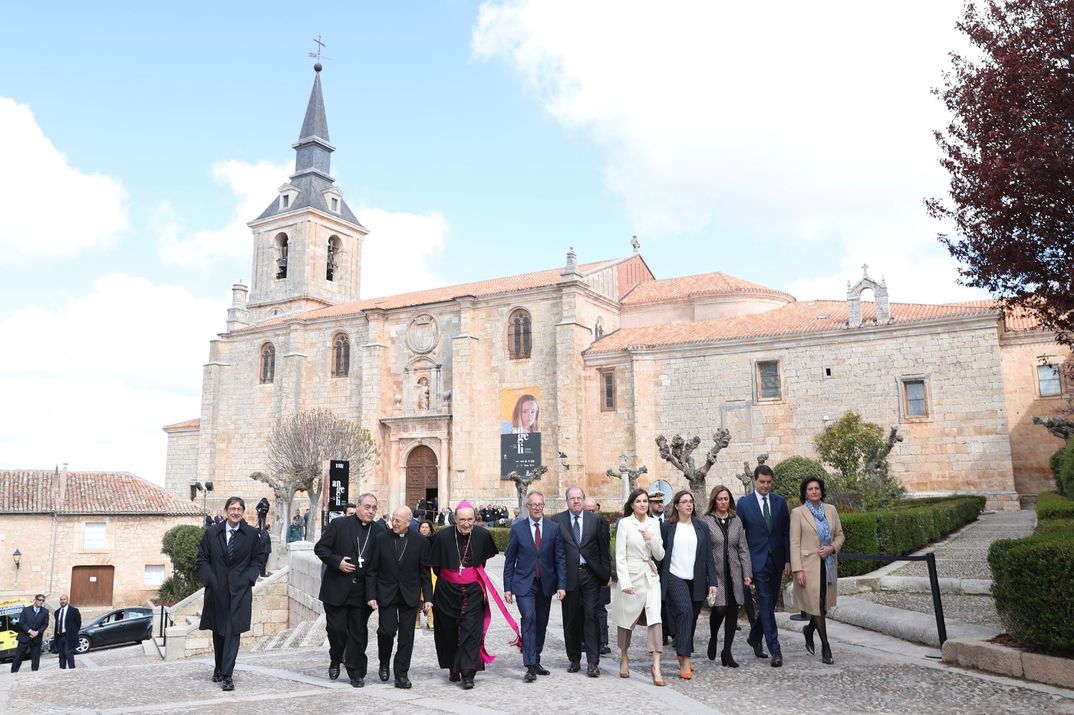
point(606, 356)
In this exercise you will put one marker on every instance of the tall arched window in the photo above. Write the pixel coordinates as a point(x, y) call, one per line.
point(341, 356)
point(333, 251)
point(518, 335)
point(268, 363)
point(281, 256)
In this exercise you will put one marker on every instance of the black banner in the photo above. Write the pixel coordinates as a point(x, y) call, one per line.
point(339, 481)
point(519, 453)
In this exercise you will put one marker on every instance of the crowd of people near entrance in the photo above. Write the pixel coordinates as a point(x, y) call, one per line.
point(668, 561)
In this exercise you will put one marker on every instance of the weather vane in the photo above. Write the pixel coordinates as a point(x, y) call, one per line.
point(320, 46)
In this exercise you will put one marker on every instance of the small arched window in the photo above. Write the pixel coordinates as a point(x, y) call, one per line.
point(281, 256)
point(268, 363)
point(519, 342)
point(333, 251)
point(341, 356)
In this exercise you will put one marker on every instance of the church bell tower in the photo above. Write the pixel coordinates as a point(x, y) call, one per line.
point(308, 242)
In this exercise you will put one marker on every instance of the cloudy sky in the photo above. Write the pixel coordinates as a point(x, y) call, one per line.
point(786, 143)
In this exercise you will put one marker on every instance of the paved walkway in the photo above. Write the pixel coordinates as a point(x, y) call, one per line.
point(873, 674)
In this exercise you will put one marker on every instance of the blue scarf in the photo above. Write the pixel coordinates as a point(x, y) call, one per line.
point(824, 538)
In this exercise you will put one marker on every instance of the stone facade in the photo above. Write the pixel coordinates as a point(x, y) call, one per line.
point(617, 356)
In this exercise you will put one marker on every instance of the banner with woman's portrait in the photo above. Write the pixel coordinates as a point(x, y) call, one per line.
point(520, 430)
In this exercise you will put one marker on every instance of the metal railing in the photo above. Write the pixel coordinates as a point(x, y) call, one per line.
point(165, 621)
point(934, 582)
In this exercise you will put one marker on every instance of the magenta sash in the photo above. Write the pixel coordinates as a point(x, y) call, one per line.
point(478, 575)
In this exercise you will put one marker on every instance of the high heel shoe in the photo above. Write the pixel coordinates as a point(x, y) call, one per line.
point(624, 668)
point(808, 633)
point(727, 661)
point(712, 648)
point(658, 679)
point(826, 654)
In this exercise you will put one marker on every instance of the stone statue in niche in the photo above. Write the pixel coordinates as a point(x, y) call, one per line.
point(423, 394)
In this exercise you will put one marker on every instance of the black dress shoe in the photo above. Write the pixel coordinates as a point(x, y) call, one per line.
point(540, 669)
point(333, 671)
point(402, 682)
point(530, 676)
point(712, 648)
point(826, 655)
point(605, 650)
point(229, 684)
point(468, 682)
point(777, 660)
point(454, 676)
point(217, 677)
point(575, 666)
point(726, 660)
point(757, 650)
point(800, 616)
point(357, 681)
point(808, 633)
point(592, 670)
point(384, 674)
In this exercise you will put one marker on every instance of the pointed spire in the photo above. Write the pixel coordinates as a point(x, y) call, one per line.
point(312, 150)
point(315, 124)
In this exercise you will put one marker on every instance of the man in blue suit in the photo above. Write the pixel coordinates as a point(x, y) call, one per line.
point(767, 522)
point(535, 567)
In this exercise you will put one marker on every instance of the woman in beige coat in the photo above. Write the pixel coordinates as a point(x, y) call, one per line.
point(637, 549)
point(816, 537)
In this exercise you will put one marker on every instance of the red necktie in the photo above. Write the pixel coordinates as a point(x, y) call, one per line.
point(537, 543)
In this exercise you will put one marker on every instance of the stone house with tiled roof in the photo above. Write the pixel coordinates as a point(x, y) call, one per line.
point(95, 535)
point(612, 356)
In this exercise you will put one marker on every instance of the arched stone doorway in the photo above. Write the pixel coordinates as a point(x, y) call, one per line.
point(421, 474)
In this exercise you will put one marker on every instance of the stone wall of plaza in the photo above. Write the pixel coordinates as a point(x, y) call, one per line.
point(962, 445)
point(1031, 445)
point(470, 363)
point(51, 548)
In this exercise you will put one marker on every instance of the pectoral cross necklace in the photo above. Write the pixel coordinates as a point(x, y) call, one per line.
point(362, 547)
point(462, 551)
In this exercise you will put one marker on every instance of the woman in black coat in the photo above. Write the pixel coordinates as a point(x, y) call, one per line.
point(687, 575)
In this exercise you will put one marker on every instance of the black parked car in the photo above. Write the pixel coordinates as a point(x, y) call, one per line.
point(125, 625)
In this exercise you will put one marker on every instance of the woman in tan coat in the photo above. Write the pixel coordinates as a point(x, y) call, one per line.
point(816, 537)
point(637, 549)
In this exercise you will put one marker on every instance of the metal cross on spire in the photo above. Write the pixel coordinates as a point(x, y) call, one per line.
point(320, 46)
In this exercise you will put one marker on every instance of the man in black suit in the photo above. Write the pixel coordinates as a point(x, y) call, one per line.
point(593, 507)
point(65, 629)
point(398, 575)
point(345, 548)
point(588, 568)
point(230, 557)
point(30, 630)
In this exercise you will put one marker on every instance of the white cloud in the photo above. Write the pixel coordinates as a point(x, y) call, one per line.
point(254, 186)
point(49, 209)
point(785, 122)
point(93, 382)
point(398, 249)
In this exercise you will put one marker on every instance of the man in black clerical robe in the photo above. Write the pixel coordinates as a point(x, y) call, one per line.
point(459, 601)
point(345, 550)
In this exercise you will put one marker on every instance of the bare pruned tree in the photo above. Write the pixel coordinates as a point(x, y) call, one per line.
point(302, 444)
point(284, 487)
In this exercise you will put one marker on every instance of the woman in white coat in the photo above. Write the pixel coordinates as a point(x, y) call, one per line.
point(637, 549)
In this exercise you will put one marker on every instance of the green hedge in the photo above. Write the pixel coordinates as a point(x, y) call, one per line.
point(1034, 590)
point(903, 529)
point(1052, 506)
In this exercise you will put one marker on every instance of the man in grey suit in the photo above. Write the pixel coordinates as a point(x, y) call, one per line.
point(588, 568)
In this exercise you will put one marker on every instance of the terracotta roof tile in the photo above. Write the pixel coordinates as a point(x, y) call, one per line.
point(37, 491)
point(695, 286)
point(494, 286)
point(188, 424)
point(800, 318)
point(1015, 320)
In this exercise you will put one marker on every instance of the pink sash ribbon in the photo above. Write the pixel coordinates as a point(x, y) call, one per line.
point(478, 575)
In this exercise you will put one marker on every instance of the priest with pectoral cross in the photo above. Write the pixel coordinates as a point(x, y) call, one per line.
point(457, 555)
point(345, 550)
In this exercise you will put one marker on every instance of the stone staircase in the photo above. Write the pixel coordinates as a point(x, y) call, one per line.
point(307, 634)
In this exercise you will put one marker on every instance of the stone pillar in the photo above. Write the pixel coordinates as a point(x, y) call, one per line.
point(372, 357)
point(465, 364)
point(572, 337)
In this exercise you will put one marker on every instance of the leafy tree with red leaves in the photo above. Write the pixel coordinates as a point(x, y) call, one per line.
point(1009, 150)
